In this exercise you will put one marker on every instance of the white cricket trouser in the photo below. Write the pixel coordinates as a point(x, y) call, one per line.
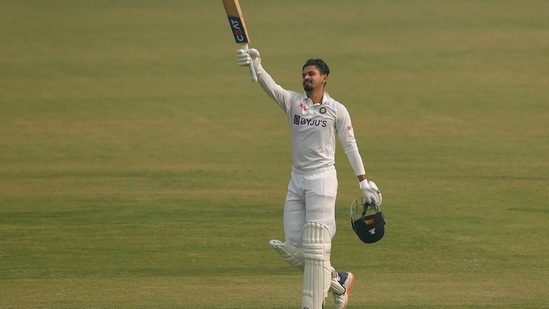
point(311, 198)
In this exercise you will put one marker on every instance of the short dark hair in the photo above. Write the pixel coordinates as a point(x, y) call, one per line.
point(320, 65)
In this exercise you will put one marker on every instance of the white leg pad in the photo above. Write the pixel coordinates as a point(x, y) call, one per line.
point(294, 256)
point(317, 277)
point(291, 254)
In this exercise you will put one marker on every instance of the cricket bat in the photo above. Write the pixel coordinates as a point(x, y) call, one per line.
point(238, 28)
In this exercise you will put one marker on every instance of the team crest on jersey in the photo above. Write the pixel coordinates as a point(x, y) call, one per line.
point(323, 110)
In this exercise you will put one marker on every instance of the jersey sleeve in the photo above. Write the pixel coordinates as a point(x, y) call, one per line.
point(346, 135)
point(280, 95)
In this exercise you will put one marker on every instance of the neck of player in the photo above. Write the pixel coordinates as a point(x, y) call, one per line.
point(316, 95)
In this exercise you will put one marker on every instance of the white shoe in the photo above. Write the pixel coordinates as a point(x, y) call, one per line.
point(342, 300)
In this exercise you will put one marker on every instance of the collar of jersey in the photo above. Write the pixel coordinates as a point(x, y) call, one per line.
point(325, 98)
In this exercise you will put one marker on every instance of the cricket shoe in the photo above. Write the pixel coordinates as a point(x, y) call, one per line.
point(342, 300)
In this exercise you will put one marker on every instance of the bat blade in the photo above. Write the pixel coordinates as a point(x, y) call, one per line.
point(236, 21)
point(238, 28)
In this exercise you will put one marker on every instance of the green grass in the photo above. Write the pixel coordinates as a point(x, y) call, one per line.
point(140, 168)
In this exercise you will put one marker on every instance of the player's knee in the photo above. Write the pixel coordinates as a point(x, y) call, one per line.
point(316, 241)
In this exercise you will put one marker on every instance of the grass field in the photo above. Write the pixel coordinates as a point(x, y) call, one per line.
point(140, 167)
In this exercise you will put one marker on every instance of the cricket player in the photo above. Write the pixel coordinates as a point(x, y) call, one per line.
point(315, 120)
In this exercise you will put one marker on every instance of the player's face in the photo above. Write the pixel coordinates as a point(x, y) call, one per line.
point(312, 78)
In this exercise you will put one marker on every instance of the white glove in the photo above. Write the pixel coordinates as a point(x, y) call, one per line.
point(370, 192)
point(245, 57)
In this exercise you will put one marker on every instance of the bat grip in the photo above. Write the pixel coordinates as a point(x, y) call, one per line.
point(251, 67)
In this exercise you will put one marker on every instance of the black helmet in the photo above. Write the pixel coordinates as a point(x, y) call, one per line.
point(367, 221)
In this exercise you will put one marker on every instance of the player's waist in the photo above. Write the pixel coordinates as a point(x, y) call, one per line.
point(311, 171)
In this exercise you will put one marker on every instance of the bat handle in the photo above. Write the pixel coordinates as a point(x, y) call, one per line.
point(251, 67)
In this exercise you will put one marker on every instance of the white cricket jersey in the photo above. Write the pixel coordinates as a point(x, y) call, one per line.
point(313, 128)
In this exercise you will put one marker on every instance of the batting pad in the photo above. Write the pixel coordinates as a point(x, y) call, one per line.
point(294, 256)
point(291, 254)
point(317, 245)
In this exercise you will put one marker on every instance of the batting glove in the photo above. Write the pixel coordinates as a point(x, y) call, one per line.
point(245, 57)
point(370, 192)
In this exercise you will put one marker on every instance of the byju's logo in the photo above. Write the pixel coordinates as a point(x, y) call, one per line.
point(299, 121)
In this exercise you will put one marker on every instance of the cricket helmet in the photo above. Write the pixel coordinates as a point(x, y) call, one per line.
point(367, 221)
